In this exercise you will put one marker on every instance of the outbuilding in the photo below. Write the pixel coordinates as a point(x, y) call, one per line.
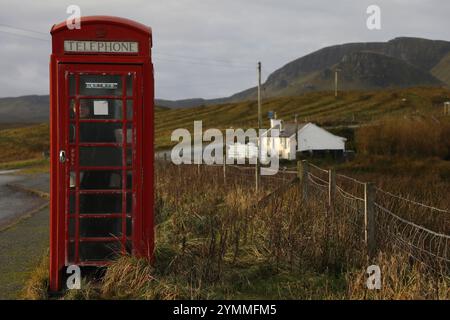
point(312, 139)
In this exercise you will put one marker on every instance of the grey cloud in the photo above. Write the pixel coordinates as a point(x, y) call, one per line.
point(210, 48)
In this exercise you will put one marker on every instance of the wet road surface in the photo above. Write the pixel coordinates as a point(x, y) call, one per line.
point(14, 202)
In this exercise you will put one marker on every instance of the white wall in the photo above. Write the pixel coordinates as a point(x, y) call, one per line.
point(240, 151)
point(287, 152)
point(312, 137)
point(274, 122)
point(292, 148)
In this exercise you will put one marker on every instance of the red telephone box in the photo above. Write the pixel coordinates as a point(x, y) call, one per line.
point(101, 127)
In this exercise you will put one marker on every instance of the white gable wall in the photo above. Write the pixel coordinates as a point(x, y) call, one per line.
point(292, 148)
point(275, 122)
point(312, 137)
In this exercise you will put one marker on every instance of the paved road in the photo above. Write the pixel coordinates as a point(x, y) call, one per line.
point(13, 202)
point(22, 244)
point(22, 247)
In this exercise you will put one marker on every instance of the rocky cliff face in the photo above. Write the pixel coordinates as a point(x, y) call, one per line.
point(397, 63)
point(370, 70)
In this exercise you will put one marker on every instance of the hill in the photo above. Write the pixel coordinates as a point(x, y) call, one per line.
point(184, 103)
point(342, 115)
point(350, 108)
point(442, 69)
point(29, 109)
point(365, 70)
point(398, 63)
point(312, 72)
point(25, 109)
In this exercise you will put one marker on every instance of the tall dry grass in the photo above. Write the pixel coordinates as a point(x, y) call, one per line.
point(416, 137)
point(212, 242)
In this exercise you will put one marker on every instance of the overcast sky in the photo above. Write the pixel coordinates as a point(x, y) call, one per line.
point(209, 48)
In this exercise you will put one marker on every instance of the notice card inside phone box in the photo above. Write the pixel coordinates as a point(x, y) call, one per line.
point(100, 107)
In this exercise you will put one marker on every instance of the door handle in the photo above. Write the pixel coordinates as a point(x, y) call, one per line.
point(62, 156)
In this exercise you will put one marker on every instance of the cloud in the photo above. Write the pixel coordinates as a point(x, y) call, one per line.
point(210, 48)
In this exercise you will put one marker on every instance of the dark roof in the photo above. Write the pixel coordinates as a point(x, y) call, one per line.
point(287, 129)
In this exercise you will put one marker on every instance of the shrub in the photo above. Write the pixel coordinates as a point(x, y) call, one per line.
point(406, 137)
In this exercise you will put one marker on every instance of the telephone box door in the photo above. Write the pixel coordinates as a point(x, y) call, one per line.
point(100, 162)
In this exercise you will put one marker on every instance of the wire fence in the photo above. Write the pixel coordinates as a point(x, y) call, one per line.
point(395, 218)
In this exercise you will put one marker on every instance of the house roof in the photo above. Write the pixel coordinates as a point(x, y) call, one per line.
point(287, 129)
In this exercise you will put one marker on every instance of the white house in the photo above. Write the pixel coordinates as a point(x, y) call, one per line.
point(312, 138)
point(247, 150)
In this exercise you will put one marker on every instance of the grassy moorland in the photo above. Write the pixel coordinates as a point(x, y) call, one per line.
point(25, 142)
point(354, 107)
point(23, 146)
point(211, 244)
point(214, 246)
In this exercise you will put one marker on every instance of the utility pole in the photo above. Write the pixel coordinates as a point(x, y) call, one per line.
point(257, 181)
point(336, 81)
point(296, 138)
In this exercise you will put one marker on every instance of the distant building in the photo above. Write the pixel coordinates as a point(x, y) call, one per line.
point(238, 150)
point(312, 139)
point(447, 108)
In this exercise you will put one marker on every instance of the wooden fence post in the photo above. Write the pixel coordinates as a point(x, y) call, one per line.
point(369, 219)
point(224, 172)
point(299, 170)
point(331, 188)
point(304, 178)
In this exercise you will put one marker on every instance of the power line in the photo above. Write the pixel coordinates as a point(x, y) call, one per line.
point(23, 29)
point(247, 65)
point(205, 84)
point(24, 35)
point(22, 32)
point(204, 64)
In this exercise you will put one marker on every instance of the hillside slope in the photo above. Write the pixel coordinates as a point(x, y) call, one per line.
point(351, 107)
point(366, 70)
point(29, 109)
point(442, 69)
point(301, 74)
point(25, 109)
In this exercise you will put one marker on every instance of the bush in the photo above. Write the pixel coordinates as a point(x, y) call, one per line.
point(419, 138)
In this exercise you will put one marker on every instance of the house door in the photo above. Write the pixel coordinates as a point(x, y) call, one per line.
point(99, 172)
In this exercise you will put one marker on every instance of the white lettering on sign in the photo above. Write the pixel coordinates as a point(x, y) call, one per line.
point(101, 46)
point(101, 85)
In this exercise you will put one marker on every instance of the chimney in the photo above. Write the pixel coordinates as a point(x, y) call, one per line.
point(276, 122)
